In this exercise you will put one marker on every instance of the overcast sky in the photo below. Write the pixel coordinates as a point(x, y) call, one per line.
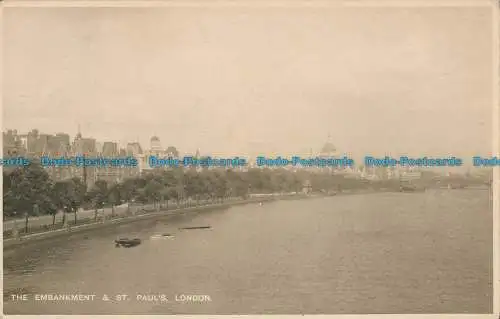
point(243, 80)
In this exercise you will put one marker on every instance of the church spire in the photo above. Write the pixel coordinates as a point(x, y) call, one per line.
point(79, 133)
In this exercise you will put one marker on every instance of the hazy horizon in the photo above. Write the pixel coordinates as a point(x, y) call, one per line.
point(241, 81)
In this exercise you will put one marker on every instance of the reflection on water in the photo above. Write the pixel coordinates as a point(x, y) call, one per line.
point(378, 253)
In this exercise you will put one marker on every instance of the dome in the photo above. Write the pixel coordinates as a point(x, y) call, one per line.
point(328, 148)
point(155, 138)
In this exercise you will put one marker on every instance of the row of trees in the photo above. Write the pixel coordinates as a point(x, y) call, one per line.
point(29, 191)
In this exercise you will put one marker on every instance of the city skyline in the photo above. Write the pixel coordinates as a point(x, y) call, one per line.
point(17, 139)
point(266, 85)
point(124, 144)
point(156, 149)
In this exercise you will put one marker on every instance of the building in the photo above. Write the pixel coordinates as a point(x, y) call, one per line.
point(172, 152)
point(109, 174)
point(156, 150)
point(58, 145)
point(109, 149)
point(116, 174)
point(392, 173)
point(98, 147)
point(31, 141)
point(155, 144)
point(329, 151)
point(84, 147)
point(34, 145)
point(13, 145)
point(63, 139)
point(134, 149)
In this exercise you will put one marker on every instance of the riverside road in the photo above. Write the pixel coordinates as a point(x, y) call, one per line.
point(47, 219)
point(369, 253)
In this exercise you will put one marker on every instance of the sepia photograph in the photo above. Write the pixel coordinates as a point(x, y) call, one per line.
point(279, 157)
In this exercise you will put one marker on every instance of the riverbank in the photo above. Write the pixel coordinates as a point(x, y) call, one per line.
point(12, 243)
point(144, 214)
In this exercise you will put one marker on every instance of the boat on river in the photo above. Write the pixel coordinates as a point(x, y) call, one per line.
point(197, 227)
point(162, 236)
point(125, 242)
point(411, 189)
point(407, 188)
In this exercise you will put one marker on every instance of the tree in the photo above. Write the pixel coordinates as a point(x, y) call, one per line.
point(97, 196)
point(114, 196)
point(296, 183)
point(77, 195)
point(128, 189)
point(194, 185)
point(61, 198)
point(153, 191)
point(208, 186)
point(49, 207)
point(173, 193)
point(266, 180)
point(165, 196)
point(237, 183)
point(8, 196)
point(220, 185)
point(29, 190)
point(29, 186)
point(179, 185)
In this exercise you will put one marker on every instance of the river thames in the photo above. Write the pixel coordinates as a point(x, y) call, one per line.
point(368, 253)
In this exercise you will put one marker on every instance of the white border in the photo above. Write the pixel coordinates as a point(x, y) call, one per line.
point(1, 144)
point(249, 3)
point(496, 152)
point(309, 3)
point(440, 316)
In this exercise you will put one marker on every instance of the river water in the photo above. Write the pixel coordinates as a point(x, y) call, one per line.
point(372, 253)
